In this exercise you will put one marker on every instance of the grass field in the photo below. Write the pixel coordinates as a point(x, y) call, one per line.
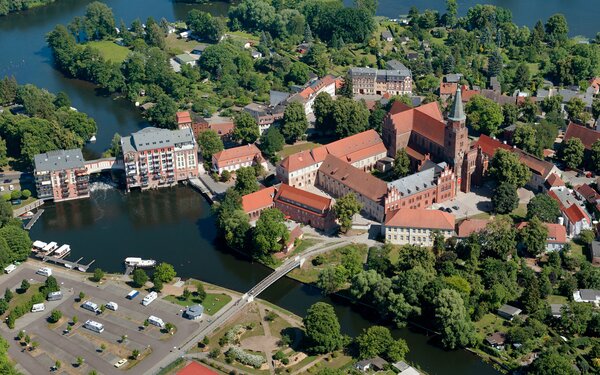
point(292, 149)
point(309, 273)
point(553, 298)
point(212, 303)
point(110, 50)
point(176, 46)
point(489, 324)
point(19, 299)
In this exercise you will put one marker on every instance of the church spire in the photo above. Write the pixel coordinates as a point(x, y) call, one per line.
point(457, 113)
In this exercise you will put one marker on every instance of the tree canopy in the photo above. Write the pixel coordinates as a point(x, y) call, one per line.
point(322, 328)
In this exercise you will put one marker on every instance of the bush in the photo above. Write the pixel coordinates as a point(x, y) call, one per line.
point(214, 353)
point(15, 194)
point(24, 285)
point(25, 194)
point(6, 197)
point(270, 316)
point(55, 316)
point(225, 176)
point(98, 275)
point(245, 358)
point(318, 260)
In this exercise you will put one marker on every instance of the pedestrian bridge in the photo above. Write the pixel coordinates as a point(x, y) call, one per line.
point(104, 165)
point(273, 277)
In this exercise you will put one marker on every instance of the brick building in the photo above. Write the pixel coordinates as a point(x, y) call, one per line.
point(371, 81)
point(156, 157)
point(255, 203)
point(361, 150)
point(417, 226)
point(61, 175)
point(232, 159)
point(305, 207)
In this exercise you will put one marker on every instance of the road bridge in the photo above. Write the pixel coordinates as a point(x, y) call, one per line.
point(103, 165)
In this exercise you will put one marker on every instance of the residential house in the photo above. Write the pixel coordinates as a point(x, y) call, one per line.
point(447, 90)
point(361, 150)
point(371, 81)
point(417, 226)
point(557, 236)
point(587, 296)
point(265, 115)
point(199, 49)
point(232, 159)
point(587, 193)
point(553, 181)
point(595, 253)
point(574, 216)
point(587, 136)
point(156, 157)
point(371, 364)
point(556, 309)
point(307, 95)
point(469, 226)
point(404, 368)
point(186, 58)
point(508, 312)
point(255, 203)
point(296, 234)
point(61, 175)
point(496, 340)
point(256, 54)
point(305, 207)
point(387, 36)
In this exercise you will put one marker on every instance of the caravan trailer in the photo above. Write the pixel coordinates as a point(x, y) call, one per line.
point(94, 326)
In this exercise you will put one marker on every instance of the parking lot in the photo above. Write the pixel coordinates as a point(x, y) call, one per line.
point(99, 350)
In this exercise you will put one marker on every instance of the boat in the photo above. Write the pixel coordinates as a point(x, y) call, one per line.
point(69, 266)
point(139, 262)
point(92, 139)
point(27, 215)
point(62, 251)
point(38, 245)
point(50, 247)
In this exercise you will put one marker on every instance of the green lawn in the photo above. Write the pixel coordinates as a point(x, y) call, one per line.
point(24, 202)
point(176, 46)
point(577, 250)
point(292, 149)
point(489, 324)
point(553, 298)
point(309, 273)
point(212, 303)
point(19, 299)
point(110, 50)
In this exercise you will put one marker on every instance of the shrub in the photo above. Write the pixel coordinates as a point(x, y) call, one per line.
point(245, 358)
point(231, 336)
point(318, 260)
point(270, 316)
point(6, 197)
point(25, 194)
point(225, 176)
point(55, 316)
point(214, 353)
point(98, 275)
point(15, 194)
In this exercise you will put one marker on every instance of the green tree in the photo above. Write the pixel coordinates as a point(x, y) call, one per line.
point(8, 295)
point(205, 26)
point(62, 100)
point(511, 113)
point(522, 77)
point(575, 107)
point(505, 166)
point(533, 236)
point(345, 208)
point(294, 124)
point(553, 363)
point(298, 74)
point(495, 63)
point(55, 316)
point(378, 341)
point(556, 29)
point(350, 117)
point(323, 109)
point(525, 138)
point(331, 279)
point(210, 143)
point(484, 115)
point(98, 275)
point(162, 114)
point(99, 21)
point(505, 198)
point(376, 118)
point(571, 152)
point(5, 213)
point(544, 208)
point(452, 319)
point(24, 285)
point(155, 36)
point(246, 128)
point(401, 164)
point(139, 277)
point(164, 272)
point(499, 238)
point(595, 164)
point(271, 142)
point(322, 329)
point(451, 13)
point(270, 233)
point(245, 181)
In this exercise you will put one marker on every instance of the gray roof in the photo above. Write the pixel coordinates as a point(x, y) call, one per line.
point(555, 308)
point(457, 113)
point(59, 160)
point(387, 34)
point(276, 97)
point(509, 310)
point(375, 362)
point(589, 294)
point(453, 78)
point(185, 58)
point(194, 311)
point(150, 138)
point(421, 180)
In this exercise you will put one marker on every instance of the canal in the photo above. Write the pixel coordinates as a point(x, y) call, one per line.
point(176, 226)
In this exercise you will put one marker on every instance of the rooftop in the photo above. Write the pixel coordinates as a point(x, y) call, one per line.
point(195, 310)
point(420, 218)
point(556, 232)
point(302, 198)
point(238, 154)
point(416, 182)
point(509, 310)
point(151, 138)
point(469, 226)
point(59, 160)
point(258, 200)
point(587, 136)
point(426, 120)
point(497, 338)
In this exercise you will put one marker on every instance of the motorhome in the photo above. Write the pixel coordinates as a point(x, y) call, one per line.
point(54, 296)
point(91, 306)
point(156, 321)
point(44, 271)
point(149, 298)
point(94, 326)
point(38, 307)
point(10, 268)
point(134, 293)
point(112, 306)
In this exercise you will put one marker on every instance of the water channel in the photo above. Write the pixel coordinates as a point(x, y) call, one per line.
point(176, 225)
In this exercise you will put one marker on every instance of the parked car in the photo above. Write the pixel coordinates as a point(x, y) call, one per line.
point(455, 208)
point(121, 362)
point(10, 187)
point(6, 181)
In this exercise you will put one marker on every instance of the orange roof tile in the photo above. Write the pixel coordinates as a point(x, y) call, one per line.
point(222, 128)
point(586, 135)
point(420, 218)
point(194, 368)
point(554, 180)
point(237, 155)
point(291, 195)
point(448, 88)
point(468, 226)
point(183, 117)
point(426, 120)
point(356, 179)
point(258, 200)
point(556, 232)
point(588, 193)
point(575, 214)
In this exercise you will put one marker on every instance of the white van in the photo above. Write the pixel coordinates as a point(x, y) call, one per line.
point(94, 326)
point(45, 271)
point(156, 321)
point(149, 298)
point(112, 306)
point(38, 307)
point(10, 268)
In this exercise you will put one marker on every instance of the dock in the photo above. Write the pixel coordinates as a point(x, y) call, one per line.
point(197, 184)
point(34, 218)
point(129, 270)
point(73, 265)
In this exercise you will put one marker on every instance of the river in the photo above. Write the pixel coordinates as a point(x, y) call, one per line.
point(176, 225)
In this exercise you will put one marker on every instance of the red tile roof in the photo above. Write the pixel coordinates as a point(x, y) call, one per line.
point(556, 232)
point(468, 226)
point(222, 128)
point(448, 88)
point(490, 145)
point(588, 193)
point(420, 218)
point(356, 179)
point(554, 180)
point(258, 200)
point(236, 155)
point(304, 199)
point(351, 149)
point(183, 117)
point(426, 120)
point(586, 135)
point(194, 368)
point(575, 214)
point(468, 94)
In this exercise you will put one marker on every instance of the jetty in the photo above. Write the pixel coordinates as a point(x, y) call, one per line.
point(69, 264)
point(199, 185)
point(33, 219)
